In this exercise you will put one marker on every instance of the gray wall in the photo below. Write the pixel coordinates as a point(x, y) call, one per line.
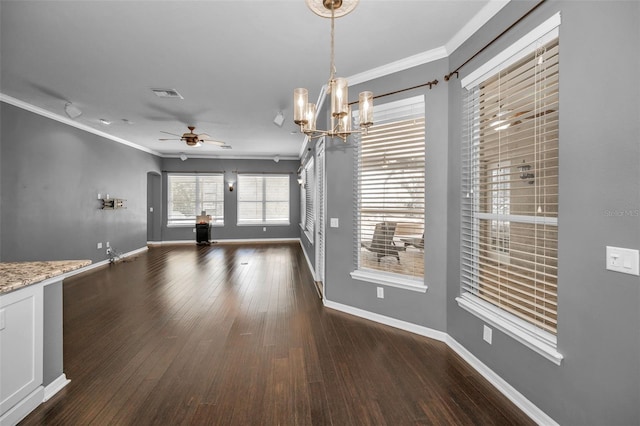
point(51, 176)
point(425, 309)
point(230, 230)
point(598, 381)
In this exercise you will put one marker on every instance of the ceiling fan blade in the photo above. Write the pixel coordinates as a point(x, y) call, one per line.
point(168, 133)
point(212, 142)
point(168, 139)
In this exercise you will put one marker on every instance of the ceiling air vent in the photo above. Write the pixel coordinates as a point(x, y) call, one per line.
point(167, 93)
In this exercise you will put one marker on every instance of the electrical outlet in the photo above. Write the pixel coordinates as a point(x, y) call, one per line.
point(487, 334)
point(264, 229)
point(194, 230)
point(99, 246)
point(380, 292)
point(108, 244)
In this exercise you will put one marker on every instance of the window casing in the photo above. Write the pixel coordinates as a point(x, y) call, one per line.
point(390, 195)
point(510, 173)
point(263, 199)
point(190, 194)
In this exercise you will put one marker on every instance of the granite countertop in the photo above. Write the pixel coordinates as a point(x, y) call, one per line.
point(15, 275)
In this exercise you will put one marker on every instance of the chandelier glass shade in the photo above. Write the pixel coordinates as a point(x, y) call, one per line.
point(305, 113)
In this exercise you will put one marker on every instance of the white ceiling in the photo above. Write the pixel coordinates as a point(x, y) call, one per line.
point(235, 62)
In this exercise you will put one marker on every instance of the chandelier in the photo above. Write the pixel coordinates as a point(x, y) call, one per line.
point(304, 113)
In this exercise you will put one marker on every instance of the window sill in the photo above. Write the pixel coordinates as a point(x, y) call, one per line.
point(509, 324)
point(389, 280)
point(265, 224)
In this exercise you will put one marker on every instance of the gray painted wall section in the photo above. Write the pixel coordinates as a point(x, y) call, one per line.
point(51, 175)
point(598, 381)
point(425, 309)
point(53, 337)
point(230, 230)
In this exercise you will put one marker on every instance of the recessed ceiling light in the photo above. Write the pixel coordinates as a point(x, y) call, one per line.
point(105, 122)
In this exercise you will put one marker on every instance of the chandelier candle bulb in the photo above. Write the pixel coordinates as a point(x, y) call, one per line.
point(339, 97)
point(310, 116)
point(365, 103)
point(300, 101)
point(344, 123)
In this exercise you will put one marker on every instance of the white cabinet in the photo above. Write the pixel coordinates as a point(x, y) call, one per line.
point(21, 352)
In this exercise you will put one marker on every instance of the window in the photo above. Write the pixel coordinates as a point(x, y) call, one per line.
point(188, 195)
point(390, 203)
point(509, 257)
point(308, 186)
point(263, 199)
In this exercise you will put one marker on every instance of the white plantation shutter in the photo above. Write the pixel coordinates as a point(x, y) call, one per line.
point(309, 185)
point(509, 228)
point(263, 199)
point(389, 192)
point(188, 195)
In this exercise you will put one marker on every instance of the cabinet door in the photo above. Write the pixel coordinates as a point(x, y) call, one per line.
point(21, 344)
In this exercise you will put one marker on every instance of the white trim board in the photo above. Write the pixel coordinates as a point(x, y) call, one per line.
point(224, 241)
point(64, 120)
point(55, 386)
point(498, 382)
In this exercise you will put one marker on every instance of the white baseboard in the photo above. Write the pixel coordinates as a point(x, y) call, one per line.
point(105, 262)
point(382, 319)
point(225, 241)
point(56, 386)
point(536, 414)
point(311, 268)
point(23, 408)
point(498, 382)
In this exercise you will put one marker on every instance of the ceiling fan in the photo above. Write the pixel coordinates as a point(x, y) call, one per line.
point(194, 139)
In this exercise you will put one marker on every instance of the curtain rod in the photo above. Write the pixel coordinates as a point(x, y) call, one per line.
point(448, 76)
point(429, 83)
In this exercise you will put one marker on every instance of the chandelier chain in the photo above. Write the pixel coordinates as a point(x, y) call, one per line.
point(332, 71)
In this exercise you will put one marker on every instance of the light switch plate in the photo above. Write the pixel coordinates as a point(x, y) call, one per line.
point(380, 292)
point(334, 222)
point(623, 260)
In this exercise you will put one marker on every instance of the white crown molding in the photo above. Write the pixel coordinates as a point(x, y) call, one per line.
point(474, 24)
point(397, 66)
point(64, 120)
point(481, 18)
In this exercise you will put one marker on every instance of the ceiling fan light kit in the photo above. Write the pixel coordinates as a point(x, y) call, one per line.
point(304, 112)
point(194, 139)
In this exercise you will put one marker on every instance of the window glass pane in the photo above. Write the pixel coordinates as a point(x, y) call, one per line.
point(189, 195)
point(390, 172)
point(510, 184)
point(263, 199)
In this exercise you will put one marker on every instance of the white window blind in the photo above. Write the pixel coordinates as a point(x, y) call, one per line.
point(509, 227)
point(309, 188)
point(188, 195)
point(389, 192)
point(263, 199)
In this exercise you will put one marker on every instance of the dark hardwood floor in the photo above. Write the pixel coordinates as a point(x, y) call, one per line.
point(236, 335)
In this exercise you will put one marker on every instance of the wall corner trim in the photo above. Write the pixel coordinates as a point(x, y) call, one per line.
point(498, 382)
